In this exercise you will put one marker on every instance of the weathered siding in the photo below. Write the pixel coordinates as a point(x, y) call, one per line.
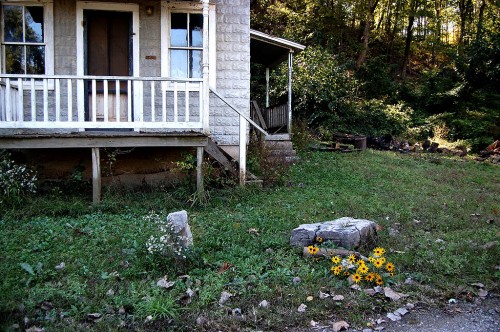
point(233, 60)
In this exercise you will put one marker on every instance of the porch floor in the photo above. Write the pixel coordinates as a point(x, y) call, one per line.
point(102, 139)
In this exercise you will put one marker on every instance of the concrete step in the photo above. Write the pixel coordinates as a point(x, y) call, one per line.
point(282, 152)
point(278, 137)
point(278, 145)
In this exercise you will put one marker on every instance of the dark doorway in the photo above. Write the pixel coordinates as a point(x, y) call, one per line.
point(108, 53)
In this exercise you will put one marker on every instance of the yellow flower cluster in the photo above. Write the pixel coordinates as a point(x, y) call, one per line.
point(375, 271)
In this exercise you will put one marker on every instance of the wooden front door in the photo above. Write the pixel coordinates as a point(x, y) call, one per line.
point(108, 53)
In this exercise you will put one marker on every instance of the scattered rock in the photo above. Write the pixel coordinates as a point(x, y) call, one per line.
point(121, 311)
point(410, 306)
point(148, 319)
point(164, 283)
point(35, 329)
point(309, 298)
point(393, 317)
point(201, 320)
point(110, 292)
point(60, 266)
point(340, 326)
point(482, 293)
point(264, 304)
point(433, 148)
point(401, 311)
point(302, 308)
point(323, 296)
point(367, 330)
point(269, 251)
point(452, 301)
point(94, 316)
point(489, 245)
point(338, 298)
point(179, 222)
point(296, 280)
point(313, 324)
point(395, 296)
point(344, 232)
point(426, 144)
point(224, 297)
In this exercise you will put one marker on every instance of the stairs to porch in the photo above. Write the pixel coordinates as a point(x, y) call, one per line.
point(280, 148)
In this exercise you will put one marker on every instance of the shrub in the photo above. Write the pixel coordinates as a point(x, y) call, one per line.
point(16, 181)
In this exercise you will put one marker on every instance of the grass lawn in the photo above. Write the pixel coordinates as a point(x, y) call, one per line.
point(435, 216)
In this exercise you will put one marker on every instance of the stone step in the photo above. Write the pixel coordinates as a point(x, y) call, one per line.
point(278, 137)
point(282, 152)
point(278, 145)
point(252, 182)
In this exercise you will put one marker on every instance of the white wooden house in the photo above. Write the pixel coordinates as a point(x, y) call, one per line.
point(130, 73)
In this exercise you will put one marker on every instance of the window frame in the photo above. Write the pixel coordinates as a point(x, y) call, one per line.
point(48, 36)
point(169, 7)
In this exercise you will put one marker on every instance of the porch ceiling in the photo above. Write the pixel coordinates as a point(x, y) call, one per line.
point(270, 51)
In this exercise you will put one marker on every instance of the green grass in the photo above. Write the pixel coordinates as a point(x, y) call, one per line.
point(107, 266)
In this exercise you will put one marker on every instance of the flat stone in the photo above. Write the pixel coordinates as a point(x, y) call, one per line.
point(345, 232)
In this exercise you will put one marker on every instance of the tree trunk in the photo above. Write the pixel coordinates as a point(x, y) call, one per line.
point(372, 5)
point(480, 21)
point(409, 37)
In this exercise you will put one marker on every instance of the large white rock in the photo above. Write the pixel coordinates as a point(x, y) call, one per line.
point(345, 232)
point(179, 222)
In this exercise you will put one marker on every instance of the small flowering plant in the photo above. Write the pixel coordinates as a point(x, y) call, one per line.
point(376, 271)
point(166, 241)
point(16, 181)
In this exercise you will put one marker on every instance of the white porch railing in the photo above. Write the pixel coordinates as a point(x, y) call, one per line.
point(101, 102)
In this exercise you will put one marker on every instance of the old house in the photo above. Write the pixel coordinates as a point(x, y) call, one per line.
point(79, 76)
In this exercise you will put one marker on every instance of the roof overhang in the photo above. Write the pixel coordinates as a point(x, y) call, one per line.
point(270, 51)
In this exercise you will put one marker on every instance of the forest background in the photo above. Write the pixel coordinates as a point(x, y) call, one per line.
point(413, 69)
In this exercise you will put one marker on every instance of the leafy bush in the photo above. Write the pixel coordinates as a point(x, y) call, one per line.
point(16, 181)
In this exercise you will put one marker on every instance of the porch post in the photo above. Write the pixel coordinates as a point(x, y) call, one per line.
point(290, 60)
point(96, 176)
point(206, 87)
point(243, 150)
point(199, 171)
point(267, 86)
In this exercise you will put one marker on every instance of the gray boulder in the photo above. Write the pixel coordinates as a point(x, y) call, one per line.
point(345, 232)
point(179, 223)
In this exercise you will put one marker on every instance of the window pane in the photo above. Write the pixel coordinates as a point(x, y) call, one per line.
point(178, 30)
point(35, 56)
point(13, 23)
point(34, 24)
point(196, 30)
point(14, 59)
point(178, 64)
point(196, 61)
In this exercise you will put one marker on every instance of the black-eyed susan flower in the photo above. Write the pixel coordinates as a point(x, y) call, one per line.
point(337, 269)
point(383, 260)
point(370, 277)
point(362, 269)
point(352, 259)
point(312, 250)
point(378, 263)
point(319, 239)
point(360, 262)
point(346, 273)
point(336, 259)
point(389, 267)
point(379, 281)
point(371, 259)
point(379, 251)
point(356, 278)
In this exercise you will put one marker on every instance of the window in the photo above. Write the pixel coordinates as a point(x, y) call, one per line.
point(182, 40)
point(186, 45)
point(25, 39)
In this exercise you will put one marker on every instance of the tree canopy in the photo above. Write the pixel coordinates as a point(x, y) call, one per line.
point(437, 62)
